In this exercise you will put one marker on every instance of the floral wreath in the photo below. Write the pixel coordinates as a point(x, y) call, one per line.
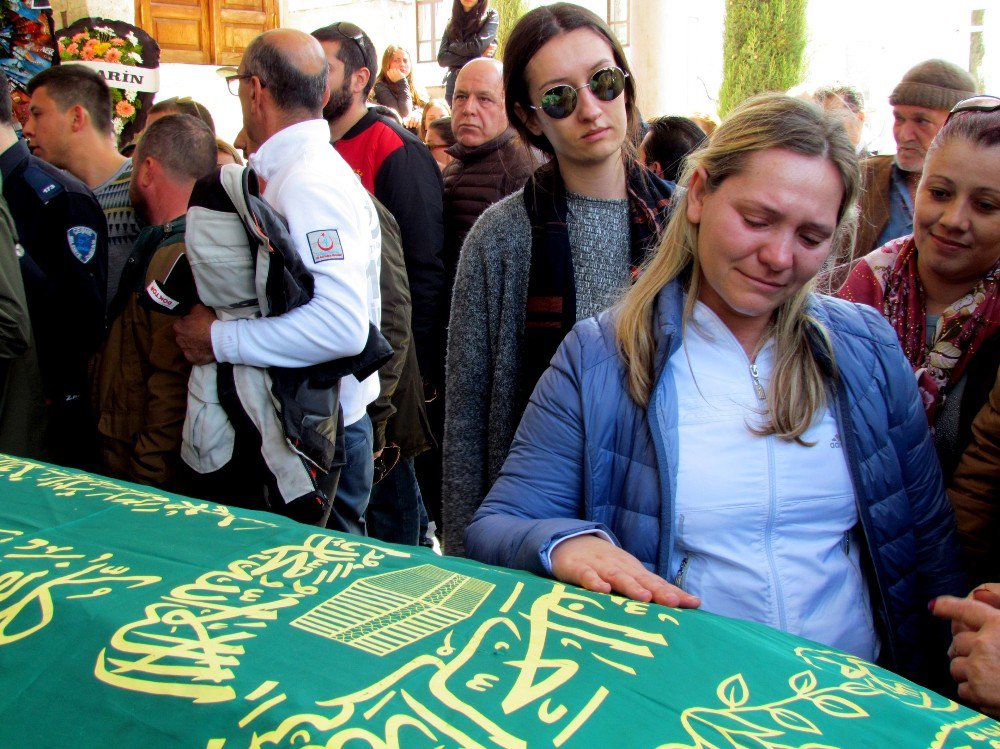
point(102, 44)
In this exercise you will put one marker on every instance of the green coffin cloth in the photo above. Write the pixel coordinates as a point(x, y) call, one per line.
point(130, 617)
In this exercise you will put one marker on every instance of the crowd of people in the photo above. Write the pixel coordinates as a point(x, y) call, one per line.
point(747, 368)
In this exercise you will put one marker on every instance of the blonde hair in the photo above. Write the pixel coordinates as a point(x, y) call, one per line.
point(425, 123)
point(797, 390)
point(222, 146)
point(419, 96)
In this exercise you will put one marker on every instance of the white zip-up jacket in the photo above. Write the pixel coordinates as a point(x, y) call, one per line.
point(335, 229)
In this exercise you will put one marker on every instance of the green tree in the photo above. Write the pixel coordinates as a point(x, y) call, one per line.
point(763, 48)
point(510, 12)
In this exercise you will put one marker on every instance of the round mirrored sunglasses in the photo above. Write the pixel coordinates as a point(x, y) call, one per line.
point(560, 101)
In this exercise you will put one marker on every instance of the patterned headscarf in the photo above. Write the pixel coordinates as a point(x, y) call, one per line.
point(887, 279)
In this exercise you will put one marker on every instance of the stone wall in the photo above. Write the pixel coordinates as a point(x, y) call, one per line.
point(64, 12)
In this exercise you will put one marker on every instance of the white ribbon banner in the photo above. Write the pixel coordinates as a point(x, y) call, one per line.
point(126, 77)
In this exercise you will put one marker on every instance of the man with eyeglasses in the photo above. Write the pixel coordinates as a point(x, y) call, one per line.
point(920, 104)
point(282, 86)
point(400, 172)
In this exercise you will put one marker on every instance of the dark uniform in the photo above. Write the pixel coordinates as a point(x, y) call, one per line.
point(63, 232)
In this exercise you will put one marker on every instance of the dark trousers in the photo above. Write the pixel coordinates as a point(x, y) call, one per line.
point(396, 511)
point(355, 487)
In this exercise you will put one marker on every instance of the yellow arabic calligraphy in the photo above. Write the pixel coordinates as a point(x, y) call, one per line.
point(65, 482)
point(558, 619)
point(26, 591)
point(190, 641)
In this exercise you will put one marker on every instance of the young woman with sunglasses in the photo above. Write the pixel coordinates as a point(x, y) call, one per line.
point(560, 250)
point(725, 428)
point(940, 291)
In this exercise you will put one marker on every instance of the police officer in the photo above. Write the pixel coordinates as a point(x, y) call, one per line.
point(64, 264)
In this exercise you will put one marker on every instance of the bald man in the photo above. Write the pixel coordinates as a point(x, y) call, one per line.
point(282, 87)
point(490, 161)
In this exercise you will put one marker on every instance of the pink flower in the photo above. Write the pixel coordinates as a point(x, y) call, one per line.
point(73, 49)
point(124, 109)
point(117, 42)
point(87, 53)
point(79, 37)
point(113, 55)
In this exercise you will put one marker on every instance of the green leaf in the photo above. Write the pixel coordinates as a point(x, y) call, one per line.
point(733, 691)
point(838, 707)
point(803, 682)
point(794, 721)
point(860, 689)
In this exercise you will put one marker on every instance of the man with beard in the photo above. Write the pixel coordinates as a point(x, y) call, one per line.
point(397, 169)
point(920, 106)
point(142, 375)
point(400, 172)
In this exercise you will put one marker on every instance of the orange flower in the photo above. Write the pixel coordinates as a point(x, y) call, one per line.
point(87, 53)
point(117, 42)
point(113, 55)
point(72, 49)
point(124, 109)
point(79, 37)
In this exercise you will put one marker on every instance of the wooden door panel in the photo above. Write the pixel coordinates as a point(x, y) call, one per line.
point(180, 27)
point(237, 22)
point(205, 31)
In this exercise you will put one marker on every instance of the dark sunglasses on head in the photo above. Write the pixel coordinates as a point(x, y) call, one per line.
point(350, 31)
point(606, 84)
point(984, 103)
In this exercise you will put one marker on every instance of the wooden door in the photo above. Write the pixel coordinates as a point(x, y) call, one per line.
point(182, 28)
point(208, 32)
point(237, 22)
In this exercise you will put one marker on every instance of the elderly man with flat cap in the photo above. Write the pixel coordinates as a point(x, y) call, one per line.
point(282, 86)
point(920, 105)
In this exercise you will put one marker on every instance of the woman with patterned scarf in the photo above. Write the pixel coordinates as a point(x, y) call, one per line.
point(560, 250)
point(940, 287)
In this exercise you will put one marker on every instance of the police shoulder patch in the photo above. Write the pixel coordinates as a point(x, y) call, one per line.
point(325, 245)
point(82, 242)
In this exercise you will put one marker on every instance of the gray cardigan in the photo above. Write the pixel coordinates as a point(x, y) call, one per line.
point(484, 347)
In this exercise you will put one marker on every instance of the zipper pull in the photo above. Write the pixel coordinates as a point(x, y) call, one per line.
point(761, 395)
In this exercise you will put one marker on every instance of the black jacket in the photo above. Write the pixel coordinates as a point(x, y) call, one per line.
point(400, 172)
point(65, 265)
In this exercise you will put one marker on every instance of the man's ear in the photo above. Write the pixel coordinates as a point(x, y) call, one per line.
point(144, 173)
point(359, 80)
point(655, 168)
point(79, 117)
point(527, 116)
point(256, 93)
point(696, 193)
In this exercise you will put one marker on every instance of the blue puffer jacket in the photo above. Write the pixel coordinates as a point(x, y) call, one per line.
point(585, 456)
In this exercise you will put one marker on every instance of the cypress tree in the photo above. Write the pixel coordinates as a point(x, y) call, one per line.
point(764, 42)
point(510, 12)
